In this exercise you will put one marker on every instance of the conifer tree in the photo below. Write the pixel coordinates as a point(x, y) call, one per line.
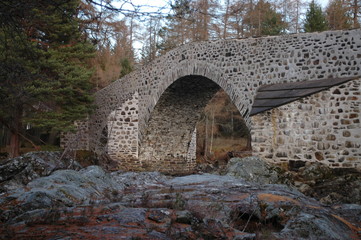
point(338, 16)
point(44, 77)
point(262, 20)
point(178, 28)
point(315, 19)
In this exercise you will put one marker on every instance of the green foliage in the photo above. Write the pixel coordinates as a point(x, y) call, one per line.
point(264, 20)
point(51, 148)
point(179, 202)
point(315, 19)
point(44, 72)
point(178, 29)
point(272, 24)
point(175, 33)
point(127, 67)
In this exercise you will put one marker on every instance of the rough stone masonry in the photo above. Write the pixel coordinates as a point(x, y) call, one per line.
point(324, 127)
point(128, 126)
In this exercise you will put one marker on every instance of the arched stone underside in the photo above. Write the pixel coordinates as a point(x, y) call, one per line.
point(167, 144)
point(239, 66)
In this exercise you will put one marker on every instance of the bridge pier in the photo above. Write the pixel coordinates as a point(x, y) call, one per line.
point(122, 131)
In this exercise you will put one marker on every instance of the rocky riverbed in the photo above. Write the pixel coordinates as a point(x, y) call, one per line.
point(45, 198)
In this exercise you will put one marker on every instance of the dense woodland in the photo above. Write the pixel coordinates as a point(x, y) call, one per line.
point(55, 54)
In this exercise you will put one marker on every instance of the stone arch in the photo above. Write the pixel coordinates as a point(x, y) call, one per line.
point(169, 142)
point(185, 68)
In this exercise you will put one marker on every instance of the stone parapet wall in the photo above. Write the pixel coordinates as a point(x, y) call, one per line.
point(324, 127)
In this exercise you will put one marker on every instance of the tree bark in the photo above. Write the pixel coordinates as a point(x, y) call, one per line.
point(15, 133)
point(249, 141)
point(212, 133)
point(14, 145)
point(355, 12)
point(226, 19)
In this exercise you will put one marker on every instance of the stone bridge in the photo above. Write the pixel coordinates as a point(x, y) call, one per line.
point(146, 120)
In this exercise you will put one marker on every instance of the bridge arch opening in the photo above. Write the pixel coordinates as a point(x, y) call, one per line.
point(169, 142)
point(222, 132)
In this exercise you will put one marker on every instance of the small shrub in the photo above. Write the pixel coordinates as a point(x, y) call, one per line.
point(179, 203)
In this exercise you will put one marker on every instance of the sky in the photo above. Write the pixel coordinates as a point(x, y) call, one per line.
point(154, 5)
point(323, 3)
point(147, 5)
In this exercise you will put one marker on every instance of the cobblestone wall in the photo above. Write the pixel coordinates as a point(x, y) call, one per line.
point(238, 66)
point(324, 127)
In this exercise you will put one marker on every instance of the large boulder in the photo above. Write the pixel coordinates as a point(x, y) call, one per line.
point(313, 227)
point(21, 170)
point(253, 169)
point(315, 171)
point(329, 185)
point(63, 188)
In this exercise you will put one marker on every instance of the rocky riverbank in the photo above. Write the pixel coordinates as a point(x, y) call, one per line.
point(39, 200)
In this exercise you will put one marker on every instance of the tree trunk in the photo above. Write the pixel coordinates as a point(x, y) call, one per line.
point(226, 18)
point(212, 133)
point(297, 15)
point(15, 134)
point(249, 141)
point(355, 12)
point(14, 145)
point(206, 138)
point(52, 138)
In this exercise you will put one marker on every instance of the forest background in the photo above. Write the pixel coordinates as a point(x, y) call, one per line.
point(55, 54)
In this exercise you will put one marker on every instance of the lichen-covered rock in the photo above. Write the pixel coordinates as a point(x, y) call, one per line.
point(252, 169)
point(21, 170)
point(140, 179)
point(330, 186)
point(314, 227)
point(350, 211)
point(315, 171)
point(94, 204)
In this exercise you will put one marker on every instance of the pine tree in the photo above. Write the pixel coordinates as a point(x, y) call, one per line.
point(262, 20)
point(315, 19)
point(178, 29)
point(272, 23)
point(338, 16)
point(44, 72)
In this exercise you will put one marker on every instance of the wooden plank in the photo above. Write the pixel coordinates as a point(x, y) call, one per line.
point(292, 93)
point(329, 82)
point(272, 96)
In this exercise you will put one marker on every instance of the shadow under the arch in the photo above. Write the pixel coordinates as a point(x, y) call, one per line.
point(169, 143)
